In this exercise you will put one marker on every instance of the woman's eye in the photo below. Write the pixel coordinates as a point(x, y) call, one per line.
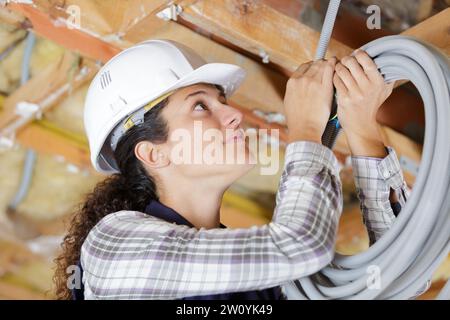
point(200, 107)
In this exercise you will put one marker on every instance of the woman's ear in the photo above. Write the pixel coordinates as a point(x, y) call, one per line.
point(151, 155)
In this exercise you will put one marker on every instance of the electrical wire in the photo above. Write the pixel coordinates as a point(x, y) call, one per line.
point(332, 128)
point(327, 28)
point(30, 156)
point(419, 240)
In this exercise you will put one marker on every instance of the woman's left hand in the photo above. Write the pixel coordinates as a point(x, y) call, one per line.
point(361, 91)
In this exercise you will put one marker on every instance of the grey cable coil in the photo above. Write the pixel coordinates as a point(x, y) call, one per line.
point(419, 240)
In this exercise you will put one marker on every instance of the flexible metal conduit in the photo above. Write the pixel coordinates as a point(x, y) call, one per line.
point(419, 240)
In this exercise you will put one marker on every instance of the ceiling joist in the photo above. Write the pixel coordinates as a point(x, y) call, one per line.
point(260, 30)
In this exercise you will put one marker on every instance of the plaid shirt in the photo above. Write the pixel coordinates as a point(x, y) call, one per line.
point(374, 179)
point(132, 255)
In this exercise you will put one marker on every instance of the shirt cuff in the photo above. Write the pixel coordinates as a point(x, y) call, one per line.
point(389, 168)
point(368, 171)
point(311, 152)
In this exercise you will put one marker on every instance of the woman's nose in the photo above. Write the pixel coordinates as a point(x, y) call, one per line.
point(230, 117)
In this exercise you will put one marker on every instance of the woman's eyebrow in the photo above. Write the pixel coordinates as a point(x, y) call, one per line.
point(194, 93)
point(220, 94)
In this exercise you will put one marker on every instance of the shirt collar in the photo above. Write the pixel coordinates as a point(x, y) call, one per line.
point(159, 210)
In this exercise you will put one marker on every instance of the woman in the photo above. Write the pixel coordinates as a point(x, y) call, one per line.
point(152, 229)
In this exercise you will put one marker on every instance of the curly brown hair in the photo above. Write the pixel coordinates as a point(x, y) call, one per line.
point(132, 189)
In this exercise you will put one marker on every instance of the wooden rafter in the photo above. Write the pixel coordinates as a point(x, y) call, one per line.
point(102, 23)
point(47, 141)
point(434, 30)
point(257, 28)
point(260, 30)
point(44, 24)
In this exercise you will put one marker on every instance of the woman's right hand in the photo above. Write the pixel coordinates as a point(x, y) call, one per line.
point(307, 102)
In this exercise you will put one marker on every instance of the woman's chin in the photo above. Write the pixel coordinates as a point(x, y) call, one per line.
point(233, 171)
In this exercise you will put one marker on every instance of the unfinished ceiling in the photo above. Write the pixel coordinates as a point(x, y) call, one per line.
point(268, 38)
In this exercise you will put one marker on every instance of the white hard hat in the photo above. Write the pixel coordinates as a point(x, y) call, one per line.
point(139, 75)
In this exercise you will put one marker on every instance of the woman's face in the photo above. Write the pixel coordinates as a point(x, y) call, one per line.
point(205, 134)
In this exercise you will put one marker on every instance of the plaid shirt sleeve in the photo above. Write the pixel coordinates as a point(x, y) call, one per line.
point(374, 179)
point(131, 255)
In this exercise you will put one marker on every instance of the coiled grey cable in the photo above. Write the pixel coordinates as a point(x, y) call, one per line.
point(419, 240)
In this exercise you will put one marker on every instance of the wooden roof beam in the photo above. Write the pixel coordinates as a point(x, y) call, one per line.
point(260, 30)
point(263, 31)
point(434, 30)
point(43, 23)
